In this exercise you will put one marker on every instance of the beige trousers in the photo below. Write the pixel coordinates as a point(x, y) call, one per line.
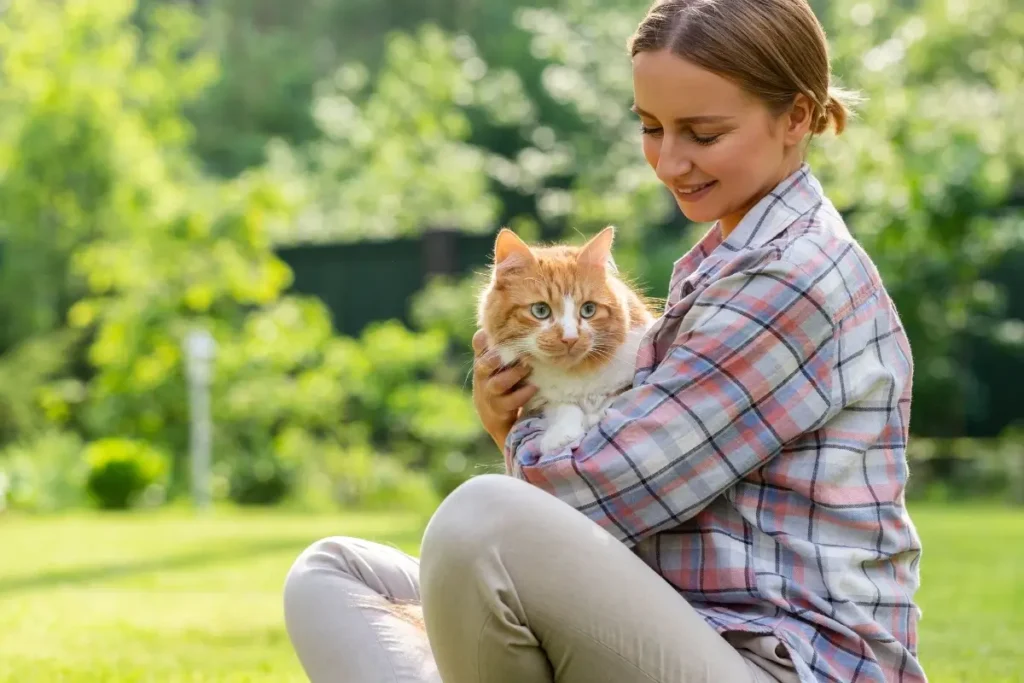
point(516, 587)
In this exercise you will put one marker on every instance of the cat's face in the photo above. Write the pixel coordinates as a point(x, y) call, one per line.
point(557, 305)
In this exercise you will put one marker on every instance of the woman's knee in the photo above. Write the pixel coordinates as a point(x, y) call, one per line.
point(317, 570)
point(304, 581)
point(340, 566)
point(484, 513)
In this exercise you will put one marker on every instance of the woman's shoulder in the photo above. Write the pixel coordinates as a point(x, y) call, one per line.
point(821, 245)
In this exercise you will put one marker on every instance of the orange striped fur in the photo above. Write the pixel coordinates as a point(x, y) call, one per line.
point(523, 276)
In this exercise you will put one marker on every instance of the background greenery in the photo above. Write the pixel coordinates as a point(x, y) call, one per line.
point(160, 160)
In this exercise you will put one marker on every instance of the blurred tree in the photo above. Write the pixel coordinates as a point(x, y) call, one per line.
point(117, 245)
point(932, 176)
point(88, 130)
point(273, 55)
point(89, 138)
point(487, 113)
point(393, 157)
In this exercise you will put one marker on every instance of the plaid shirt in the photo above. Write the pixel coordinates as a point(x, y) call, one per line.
point(758, 461)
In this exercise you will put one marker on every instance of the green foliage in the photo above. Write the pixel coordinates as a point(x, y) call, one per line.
point(399, 406)
point(393, 158)
point(957, 470)
point(300, 410)
point(272, 55)
point(116, 244)
point(120, 471)
point(33, 390)
point(259, 479)
point(150, 249)
point(929, 171)
point(45, 473)
point(448, 306)
point(89, 126)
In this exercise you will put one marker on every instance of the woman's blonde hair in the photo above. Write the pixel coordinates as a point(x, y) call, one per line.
point(774, 49)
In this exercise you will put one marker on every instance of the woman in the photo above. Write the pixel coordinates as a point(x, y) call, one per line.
point(738, 513)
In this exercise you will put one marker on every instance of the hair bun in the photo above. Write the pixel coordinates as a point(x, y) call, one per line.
point(837, 111)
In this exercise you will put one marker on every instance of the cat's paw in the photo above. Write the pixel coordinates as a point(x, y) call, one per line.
point(595, 410)
point(558, 437)
point(566, 425)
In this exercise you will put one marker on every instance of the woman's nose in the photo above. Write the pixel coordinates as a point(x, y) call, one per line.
point(673, 163)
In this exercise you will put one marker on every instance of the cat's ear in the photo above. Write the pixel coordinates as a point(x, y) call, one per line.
point(508, 244)
point(598, 251)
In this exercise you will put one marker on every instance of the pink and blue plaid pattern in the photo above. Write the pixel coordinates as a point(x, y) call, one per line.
point(758, 461)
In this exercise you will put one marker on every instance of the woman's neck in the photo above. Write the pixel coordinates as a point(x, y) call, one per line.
point(728, 223)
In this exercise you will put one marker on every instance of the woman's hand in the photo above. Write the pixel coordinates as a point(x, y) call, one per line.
point(499, 393)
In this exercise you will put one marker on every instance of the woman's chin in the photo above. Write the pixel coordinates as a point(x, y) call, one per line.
point(698, 213)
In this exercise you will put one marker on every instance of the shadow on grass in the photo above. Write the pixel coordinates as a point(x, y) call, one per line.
point(196, 558)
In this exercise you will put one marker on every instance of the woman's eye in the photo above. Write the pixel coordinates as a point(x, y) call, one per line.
point(588, 310)
point(540, 311)
point(649, 130)
point(704, 139)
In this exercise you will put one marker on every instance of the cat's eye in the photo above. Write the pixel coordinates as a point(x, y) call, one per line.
point(540, 311)
point(588, 310)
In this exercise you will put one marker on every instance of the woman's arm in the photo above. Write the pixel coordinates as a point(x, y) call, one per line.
point(750, 369)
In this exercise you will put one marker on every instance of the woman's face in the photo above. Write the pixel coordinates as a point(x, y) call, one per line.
point(718, 148)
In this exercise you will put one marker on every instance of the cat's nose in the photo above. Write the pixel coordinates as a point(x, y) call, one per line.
point(569, 341)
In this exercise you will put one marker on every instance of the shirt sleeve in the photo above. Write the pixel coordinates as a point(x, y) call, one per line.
point(749, 369)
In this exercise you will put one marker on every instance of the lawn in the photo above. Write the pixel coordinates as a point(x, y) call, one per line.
point(167, 596)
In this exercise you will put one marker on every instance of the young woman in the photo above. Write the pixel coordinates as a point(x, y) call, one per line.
point(738, 513)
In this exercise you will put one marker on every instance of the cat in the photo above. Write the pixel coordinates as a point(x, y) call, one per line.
point(578, 323)
point(568, 313)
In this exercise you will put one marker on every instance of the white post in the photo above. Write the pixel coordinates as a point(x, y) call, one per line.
point(199, 352)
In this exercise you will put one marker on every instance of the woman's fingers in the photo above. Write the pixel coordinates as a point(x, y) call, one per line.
point(486, 365)
point(500, 390)
point(479, 342)
point(506, 379)
point(512, 402)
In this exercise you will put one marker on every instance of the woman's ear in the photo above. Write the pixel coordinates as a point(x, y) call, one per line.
point(799, 120)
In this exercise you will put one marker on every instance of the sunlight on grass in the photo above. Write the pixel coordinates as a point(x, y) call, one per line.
point(158, 597)
point(169, 596)
point(972, 594)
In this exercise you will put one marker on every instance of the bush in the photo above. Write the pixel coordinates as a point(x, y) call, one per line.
point(259, 480)
point(449, 306)
point(122, 470)
point(343, 469)
point(43, 474)
point(391, 486)
point(949, 470)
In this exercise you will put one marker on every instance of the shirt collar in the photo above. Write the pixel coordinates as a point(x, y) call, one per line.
point(797, 194)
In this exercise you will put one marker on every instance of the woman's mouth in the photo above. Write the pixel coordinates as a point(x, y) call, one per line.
point(695, 192)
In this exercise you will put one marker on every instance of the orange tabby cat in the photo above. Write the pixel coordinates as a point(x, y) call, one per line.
point(565, 310)
point(578, 323)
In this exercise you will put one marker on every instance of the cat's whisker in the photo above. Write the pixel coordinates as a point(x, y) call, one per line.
point(609, 355)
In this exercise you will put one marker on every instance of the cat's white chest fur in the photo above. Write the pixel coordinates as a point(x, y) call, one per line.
point(574, 403)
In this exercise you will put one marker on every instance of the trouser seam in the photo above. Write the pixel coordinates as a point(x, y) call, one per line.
point(479, 646)
point(604, 646)
point(618, 655)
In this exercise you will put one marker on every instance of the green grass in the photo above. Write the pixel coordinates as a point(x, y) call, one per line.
point(171, 597)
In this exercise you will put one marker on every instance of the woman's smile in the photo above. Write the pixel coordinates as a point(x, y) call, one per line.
point(694, 193)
